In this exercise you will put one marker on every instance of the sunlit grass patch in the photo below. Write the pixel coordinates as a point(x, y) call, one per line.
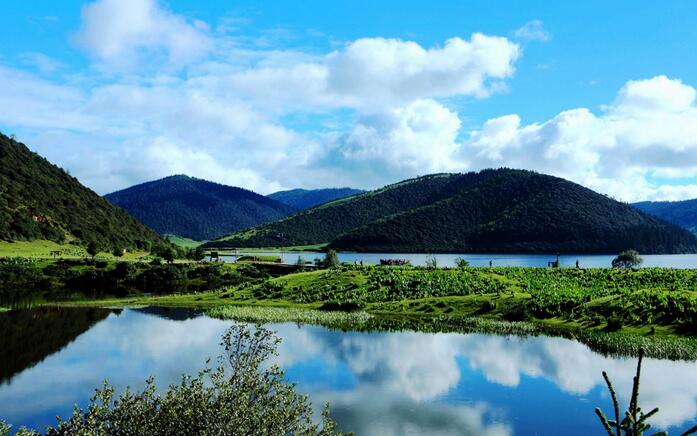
point(290, 314)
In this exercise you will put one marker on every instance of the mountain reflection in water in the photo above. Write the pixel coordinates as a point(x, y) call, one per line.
point(376, 383)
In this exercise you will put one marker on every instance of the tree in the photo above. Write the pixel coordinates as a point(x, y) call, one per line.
point(92, 248)
point(117, 252)
point(627, 259)
point(461, 262)
point(331, 260)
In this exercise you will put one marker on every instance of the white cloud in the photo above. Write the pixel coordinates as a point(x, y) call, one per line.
point(43, 63)
point(659, 94)
point(419, 137)
point(375, 70)
point(121, 32)
point(369, 113)
point(533, 31)
point(223, 119)
point(372, 74)
point(649, 130)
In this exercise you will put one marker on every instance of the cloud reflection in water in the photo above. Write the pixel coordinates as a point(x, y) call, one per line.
point(376, 383)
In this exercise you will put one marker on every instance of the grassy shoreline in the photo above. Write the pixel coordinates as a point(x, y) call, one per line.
point(625, 342)
point(650, 306)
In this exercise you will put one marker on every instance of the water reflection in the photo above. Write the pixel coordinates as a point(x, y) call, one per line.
point(376, 383)
point(28, 336)
point(681, 261)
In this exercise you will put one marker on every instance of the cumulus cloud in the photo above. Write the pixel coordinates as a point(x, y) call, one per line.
point(119, 32)
point(373, 111)
point(649, 130)
point(372, 74)
point(419, 137)
point(224, 118)
point(389, 70)
point(533, 30)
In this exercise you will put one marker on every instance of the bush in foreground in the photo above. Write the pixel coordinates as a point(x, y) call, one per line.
point(240, 397)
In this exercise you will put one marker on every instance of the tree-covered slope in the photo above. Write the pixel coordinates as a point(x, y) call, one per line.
point(326, 222)
point(682, 213)
point(195, 208)
point(38, 200)
point(521, 211)
point(302, 199)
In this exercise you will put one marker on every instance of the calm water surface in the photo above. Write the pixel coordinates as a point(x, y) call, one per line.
point(377, 383)
point(586, 261)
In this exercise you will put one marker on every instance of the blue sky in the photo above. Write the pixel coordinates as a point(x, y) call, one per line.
point(272, 95)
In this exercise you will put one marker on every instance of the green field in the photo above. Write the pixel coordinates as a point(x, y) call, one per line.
point(181, 241)
point(45, 249)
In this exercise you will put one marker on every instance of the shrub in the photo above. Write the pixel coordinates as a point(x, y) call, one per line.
point(244, 395)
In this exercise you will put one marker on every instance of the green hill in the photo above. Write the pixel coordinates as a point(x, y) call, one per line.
point(302, 199)
point(489, 211)
point(195, 208)
point(682, 213)
point(326, 222)
point(38, 200)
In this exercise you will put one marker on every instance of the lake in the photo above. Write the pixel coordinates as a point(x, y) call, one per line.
point(682, 261)
point(379, 383)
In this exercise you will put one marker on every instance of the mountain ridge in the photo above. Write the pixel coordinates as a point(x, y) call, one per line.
point(196, 208)
point(302, 199)
point(682, 213)
point(504, 210)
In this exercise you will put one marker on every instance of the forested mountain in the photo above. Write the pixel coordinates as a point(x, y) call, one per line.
point(38, 200)
point(682, 213)
point(326, 222)
point(522, 212)
point(195, 208)
point(302, 199)
point(500, 210)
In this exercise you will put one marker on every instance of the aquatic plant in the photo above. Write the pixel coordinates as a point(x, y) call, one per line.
point(288, 314)
point(635, 421)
